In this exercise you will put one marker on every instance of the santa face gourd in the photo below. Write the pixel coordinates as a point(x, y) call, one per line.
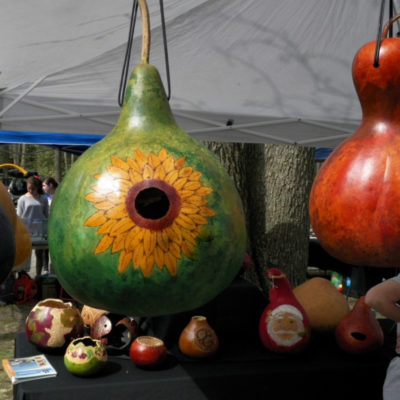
point(283, 326)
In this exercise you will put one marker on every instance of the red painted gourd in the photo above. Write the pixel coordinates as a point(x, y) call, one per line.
point(146, 222)
point(354, 201)
point(284, 325)
point(359, 332)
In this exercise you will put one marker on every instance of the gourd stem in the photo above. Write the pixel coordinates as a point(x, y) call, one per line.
point(388, 24)
point(144, 18)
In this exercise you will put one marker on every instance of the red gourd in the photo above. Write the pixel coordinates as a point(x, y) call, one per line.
point(359, 332)
point(284, 325)
point(354, 201)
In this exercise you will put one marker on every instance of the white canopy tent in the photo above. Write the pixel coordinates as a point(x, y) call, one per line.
point(278, 70)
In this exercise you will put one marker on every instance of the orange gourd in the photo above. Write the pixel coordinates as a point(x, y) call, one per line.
point(354, 201)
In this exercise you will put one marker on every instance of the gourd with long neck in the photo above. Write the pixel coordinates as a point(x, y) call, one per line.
point(355, 197)
point(146, 222)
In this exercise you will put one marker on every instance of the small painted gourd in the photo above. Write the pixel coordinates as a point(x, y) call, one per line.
point(198, 339)
point(358, 332)
point(52, 324)
point(284, 325)
point(146, 222)
point(355, 197)
point(85, 356)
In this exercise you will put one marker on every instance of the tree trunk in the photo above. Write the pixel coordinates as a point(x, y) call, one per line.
point(274, 182)
point(280, 178)
point(57, 165)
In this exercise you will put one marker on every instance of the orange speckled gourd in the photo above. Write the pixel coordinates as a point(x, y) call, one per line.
point(354, 200)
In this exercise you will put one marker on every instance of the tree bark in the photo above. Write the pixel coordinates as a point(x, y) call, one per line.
point(274, 182)
point(280, 178)
point(57, 165)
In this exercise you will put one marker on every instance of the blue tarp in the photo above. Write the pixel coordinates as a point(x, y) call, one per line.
point(69, 142)
point(78, 143)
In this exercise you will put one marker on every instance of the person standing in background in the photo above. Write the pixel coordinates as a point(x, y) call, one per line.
point(49, 187)
point(32, 208)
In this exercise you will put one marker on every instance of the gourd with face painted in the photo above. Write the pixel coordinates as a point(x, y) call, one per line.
point(284, 325)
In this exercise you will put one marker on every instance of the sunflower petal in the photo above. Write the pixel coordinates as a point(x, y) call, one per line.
point(149, 241)
point(96, 219)
point(154, 161)
point(104, 244)
point(179, 162)
point(140, 158)
point(133, 164)
point(162, 154)
point(185, 193)
point(122, 226)
point(159, 173)
point(148, 172)
point(198, 219)
point(104, 205)
point(175, 234)
point(203, 191)
point(206, 212)
point(159, 257)
point(168, 164)
point(134, 177)
point(188, 236)
point(180, 183)
point(117, 212)
point(195, 176)
point(170, 263)
point(138, 256)
point(185, 222)
point(106, 227)
point(117, 162)
point(189, 209)
point(175, 250)
point(187, 248)
point(162, 240)
point(117, 172)
point(185, 172)
point(131, 238)
point(196, 200)
point(124, 184)
point(171, 177)
point(123, 261)
point(148, 266)
point(118, 244)
point(94, 197)
point(192, 185)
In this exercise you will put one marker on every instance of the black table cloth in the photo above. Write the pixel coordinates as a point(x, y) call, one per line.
point(241, 368)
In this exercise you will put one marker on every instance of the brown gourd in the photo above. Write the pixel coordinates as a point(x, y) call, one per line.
point(323, 304)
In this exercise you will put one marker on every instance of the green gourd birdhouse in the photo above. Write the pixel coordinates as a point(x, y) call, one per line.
point(146, 222)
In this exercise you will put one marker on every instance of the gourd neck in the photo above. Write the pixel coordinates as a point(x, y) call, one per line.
point(145, 100)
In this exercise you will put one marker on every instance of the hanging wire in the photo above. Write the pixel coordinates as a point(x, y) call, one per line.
point(125, 68)
point(165, 48)
point(378, 38)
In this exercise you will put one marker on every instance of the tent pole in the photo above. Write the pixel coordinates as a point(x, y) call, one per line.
point(22, 95)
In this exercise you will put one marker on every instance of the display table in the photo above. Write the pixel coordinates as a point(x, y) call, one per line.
point(242, 368)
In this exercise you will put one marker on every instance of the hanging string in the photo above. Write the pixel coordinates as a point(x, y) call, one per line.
point(378, 39)
point(125, 68)
point(165, 49)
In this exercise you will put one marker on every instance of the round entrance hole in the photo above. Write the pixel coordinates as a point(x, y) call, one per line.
point(152, 203)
